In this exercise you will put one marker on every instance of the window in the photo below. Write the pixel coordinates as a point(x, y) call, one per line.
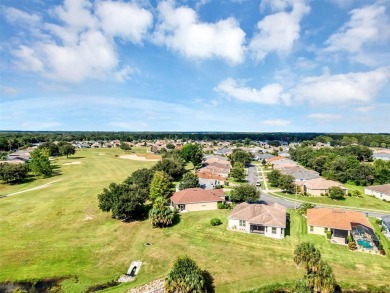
point(273, 230)
point(311, 228)
point(182, 207)
point(242, 223)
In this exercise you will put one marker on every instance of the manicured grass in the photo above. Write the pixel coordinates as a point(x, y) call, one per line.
point(59, 231)
point(365, 202)
point(382, 239)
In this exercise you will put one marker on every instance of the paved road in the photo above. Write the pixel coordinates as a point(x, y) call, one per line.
point(267, 198)
point(252, 176)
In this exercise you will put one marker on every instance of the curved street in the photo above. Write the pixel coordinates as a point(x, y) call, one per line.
point(265, 197)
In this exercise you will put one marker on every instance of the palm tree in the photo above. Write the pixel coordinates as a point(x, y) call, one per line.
point(185, 277)
point(307, 255)
point(160, 214)
point(327, 279)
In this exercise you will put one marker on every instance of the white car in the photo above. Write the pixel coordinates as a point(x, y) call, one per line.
point(258, 183)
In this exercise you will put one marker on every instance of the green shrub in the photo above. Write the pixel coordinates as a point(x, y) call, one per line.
point(224, 206)
point(215, 222)
point(328, 234)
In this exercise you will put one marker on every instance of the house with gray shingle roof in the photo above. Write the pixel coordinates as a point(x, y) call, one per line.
point(267, 220)
point(379, 191)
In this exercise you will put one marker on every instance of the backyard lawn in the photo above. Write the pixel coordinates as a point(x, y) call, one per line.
point(59, 231)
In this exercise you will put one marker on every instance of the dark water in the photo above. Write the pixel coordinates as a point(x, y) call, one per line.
point(39, 286)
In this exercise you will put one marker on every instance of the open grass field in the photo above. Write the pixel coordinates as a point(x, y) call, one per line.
point(59, 231)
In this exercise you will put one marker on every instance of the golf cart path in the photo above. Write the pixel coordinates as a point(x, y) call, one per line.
point(31, 189)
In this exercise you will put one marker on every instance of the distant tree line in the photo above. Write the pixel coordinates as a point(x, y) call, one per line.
point(11, 140)
point(350, 163)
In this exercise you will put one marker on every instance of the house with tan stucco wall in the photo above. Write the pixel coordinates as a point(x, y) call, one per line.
point(197, 199)
point(261, 219)
point(319, 186)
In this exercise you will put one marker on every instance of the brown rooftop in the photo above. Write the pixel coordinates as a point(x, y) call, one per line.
point(208, 175)
point(268, 215)
point(194, 195)
point(385, 188)
point(321, 183)
point(335, 218)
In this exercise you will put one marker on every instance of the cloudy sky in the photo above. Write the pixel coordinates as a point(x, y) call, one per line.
point(238, 65)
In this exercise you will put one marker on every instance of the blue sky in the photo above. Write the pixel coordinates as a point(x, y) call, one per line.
point(238, 65)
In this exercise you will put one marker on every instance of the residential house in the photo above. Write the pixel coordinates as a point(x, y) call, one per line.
point(282, 164)
point(224, 172)
point(260, 157)
point(341, 224)
point(19, 156)
point(267, 220)
point(319, 186)
point(208, 180)
point(386, 225)
point(223, 152)
point(197, 199)
point(381, 156)
point(379, 191)
point(299, 173)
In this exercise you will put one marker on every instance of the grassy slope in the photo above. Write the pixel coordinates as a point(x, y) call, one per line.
point(45, 233)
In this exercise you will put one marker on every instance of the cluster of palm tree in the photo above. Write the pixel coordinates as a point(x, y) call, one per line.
point(319, 275)
point(185, 277)
point(161, 215)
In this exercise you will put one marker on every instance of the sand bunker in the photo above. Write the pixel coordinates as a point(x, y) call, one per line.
point(138, 158)
point(73, 163)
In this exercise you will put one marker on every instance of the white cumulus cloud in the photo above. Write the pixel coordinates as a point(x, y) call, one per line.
point(342, 88)
point(180, 30)
point(367, 25)
point(81, 45)
point(278, 32)
point(125, 20)
point(269, 94)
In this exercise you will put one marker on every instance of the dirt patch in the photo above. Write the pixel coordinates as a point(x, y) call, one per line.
point(150, 156)
point(139, 158)
point(101, 154)
point(73, 163)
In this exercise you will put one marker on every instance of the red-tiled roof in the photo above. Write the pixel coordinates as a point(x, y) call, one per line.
point(208, 175)
point(194, 195)
point(335, 218)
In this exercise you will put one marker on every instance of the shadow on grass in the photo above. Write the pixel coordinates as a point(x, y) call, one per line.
point(287, 231)
point(209, 282)
point(75, 158)
point(175, 220)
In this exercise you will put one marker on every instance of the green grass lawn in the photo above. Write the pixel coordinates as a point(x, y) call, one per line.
point(366, 202)
point(59, 231)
